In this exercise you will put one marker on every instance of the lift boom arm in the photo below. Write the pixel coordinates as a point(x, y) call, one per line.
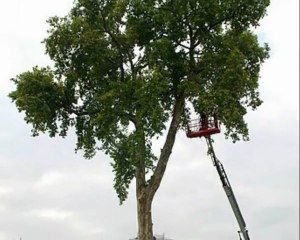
point(228, 190)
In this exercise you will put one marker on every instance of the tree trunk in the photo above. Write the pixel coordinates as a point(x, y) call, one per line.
point(145, 191)
point(144, 219)
point(144, 202)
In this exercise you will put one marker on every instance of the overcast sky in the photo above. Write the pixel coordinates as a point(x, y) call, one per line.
point(48, 192)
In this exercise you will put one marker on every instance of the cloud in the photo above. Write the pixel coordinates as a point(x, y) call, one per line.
point(52, 214)
point(5, 190)
point(50, 178)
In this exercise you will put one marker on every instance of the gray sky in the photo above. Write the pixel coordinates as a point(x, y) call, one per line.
point(49, 192)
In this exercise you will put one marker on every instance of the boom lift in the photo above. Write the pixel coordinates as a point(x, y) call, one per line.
point(204, 128)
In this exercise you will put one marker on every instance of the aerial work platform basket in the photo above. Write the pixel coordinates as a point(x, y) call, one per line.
point(202, 127)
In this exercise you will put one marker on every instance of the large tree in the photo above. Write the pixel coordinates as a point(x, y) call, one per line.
point(126, 71)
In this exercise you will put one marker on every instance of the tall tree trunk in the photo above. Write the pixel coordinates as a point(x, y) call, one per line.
point(144, 219)
point(145, 191)
point(144, 203)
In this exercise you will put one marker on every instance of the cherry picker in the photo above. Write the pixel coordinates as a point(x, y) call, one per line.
point(205, 127)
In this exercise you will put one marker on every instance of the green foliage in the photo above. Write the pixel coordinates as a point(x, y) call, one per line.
point(120, 65)
point(41, 98)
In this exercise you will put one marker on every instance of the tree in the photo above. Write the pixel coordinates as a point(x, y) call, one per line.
point(126, 70)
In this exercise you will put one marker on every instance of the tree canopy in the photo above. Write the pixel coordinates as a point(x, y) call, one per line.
point(125, 69)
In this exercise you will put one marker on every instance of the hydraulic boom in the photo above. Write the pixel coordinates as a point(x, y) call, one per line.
point(228, 190)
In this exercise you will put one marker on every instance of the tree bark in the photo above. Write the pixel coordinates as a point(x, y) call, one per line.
point(144, 204)
point(144, 219)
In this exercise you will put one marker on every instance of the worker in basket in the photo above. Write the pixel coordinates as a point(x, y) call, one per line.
point(203, 121)
point(205, 126)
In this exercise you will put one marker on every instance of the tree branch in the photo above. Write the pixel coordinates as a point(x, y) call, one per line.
point(81, 113)
point(226, 18)
point(119, 47)
point(182, 45)
point(167, 148)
